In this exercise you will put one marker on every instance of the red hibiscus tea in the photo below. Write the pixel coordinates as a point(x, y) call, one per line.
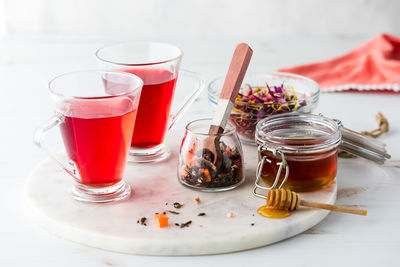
point(99, 144)
point(95, 111)
point(157, 64)
point(154, 107)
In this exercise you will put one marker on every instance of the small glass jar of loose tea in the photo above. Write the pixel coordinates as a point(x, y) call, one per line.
point(298, 152)
point(199, 169)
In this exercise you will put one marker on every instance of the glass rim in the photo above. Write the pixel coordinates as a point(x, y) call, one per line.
point(330, 140)
point(311, 97)
point(121, 73)
point(225, 133)
point(138, 64)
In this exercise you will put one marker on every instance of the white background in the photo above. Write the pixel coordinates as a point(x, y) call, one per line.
point(205, 19)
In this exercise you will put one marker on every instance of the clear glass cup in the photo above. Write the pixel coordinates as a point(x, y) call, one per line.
point(196, 169)
point(157, 64)
point(95, 112)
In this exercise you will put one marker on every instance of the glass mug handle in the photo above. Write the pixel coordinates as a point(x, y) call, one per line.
point(39, 140)
point(190, 99)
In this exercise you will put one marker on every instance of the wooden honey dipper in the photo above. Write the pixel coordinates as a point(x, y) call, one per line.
point(285, 199)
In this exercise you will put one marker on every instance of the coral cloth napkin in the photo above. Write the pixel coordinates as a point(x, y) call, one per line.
point(374, 65)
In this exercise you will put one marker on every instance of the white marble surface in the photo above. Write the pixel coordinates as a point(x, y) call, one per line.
point(27, 63)
point(113, 226)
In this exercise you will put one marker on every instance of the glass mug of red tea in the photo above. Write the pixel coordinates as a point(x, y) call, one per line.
point(95, 111)
point(157, 64)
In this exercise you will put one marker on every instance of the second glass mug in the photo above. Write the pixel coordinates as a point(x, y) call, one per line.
point(157, 64)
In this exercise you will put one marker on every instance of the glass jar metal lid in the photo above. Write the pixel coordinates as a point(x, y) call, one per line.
point(307, 142)
point(305, 133)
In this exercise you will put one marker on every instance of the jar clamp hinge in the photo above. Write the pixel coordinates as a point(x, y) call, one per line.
point(282, 165)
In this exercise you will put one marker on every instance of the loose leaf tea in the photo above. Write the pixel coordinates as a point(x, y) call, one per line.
point(186, 224)
point(199, 169)
point(142, 221)
point(173, 212)
point(177, 205)
point(255, 103)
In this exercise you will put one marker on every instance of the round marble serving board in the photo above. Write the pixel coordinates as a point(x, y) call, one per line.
point(113, 226)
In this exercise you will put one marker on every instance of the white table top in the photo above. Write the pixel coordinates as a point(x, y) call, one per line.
point(27, 63)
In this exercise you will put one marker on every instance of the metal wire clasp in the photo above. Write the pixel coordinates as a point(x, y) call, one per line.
point(282, 165)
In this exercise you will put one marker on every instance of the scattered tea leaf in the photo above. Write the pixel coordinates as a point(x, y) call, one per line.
point(142, 221)
point(178, 205)
point(186, 224)
point(173, 212)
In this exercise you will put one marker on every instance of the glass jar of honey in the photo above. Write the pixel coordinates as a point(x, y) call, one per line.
point(297, 151)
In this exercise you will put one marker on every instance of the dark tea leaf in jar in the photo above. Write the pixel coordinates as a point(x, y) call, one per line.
point(201, 171)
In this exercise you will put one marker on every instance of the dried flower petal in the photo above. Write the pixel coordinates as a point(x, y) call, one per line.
point(259, 103)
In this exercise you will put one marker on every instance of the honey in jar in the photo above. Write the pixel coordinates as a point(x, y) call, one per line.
point(306, 144)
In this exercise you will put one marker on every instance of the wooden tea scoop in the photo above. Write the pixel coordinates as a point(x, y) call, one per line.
point(288, 200)
point(234, 78)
